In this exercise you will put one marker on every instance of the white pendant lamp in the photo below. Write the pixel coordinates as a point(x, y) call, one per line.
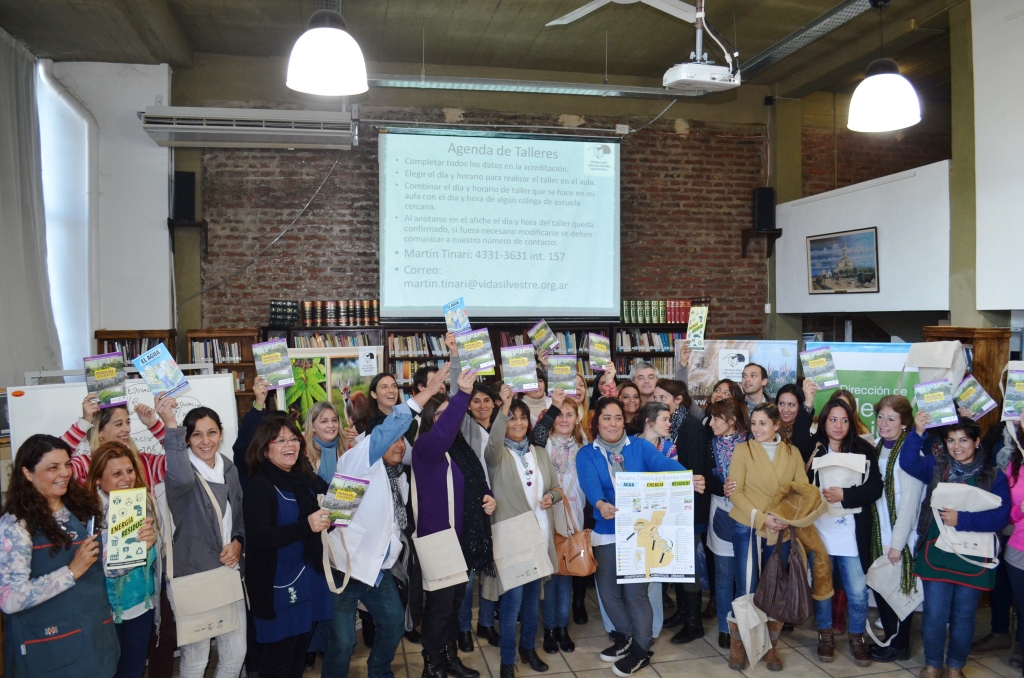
point(884, 101)
point(326, 60)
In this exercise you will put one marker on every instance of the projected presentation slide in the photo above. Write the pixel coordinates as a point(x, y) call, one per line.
point(518, 226)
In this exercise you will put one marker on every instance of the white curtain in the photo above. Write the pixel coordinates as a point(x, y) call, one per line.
point(28, 335)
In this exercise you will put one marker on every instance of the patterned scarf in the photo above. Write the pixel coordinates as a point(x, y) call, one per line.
point(395, 474)
point(908, 582)
point(960, 473)
point(614, 452)
point(676, 420)
point(563, 453)
point(519, 448)
point(722, 448)
point(476, 543)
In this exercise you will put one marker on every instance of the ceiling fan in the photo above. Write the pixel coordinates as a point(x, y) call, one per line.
point(676, 8)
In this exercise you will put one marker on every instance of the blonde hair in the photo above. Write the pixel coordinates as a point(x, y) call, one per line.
point(312, 448)
point(102, 455)
point(104, 418)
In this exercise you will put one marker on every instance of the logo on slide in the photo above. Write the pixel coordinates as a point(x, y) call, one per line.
point(598, 160)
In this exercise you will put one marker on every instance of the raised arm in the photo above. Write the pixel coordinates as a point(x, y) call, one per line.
point(918, 465)
point(542, 429)
point(435, 443)
point(496, 438)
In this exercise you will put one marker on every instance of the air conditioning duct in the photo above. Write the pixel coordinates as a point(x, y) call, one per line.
point(183, 127)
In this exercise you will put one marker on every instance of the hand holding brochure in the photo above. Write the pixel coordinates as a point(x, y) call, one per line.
point(970, 395)
point(475, 351)
point(343, 498)
point(519, 368)
point(562, 373)
point(696, 326)
point(936, 398)
point(1013, 398)
point(104, 378)
point(455, 316)
point(600, 351)
point(126, 513)
point(272, 363)
point(160, 372)
point(542, 337)
point(819, 367)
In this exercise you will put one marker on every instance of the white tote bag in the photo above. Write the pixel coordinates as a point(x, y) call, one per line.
point(969, 546)
point(204, 603)
point(520, 551)
point(936, 360)
point(840, 469)
point(751, 621)
point(884, 579)
point(440, 554)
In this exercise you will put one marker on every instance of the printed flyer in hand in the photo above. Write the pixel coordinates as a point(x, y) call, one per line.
point(519, 368)
point(343, 498)
point(936, 398)
point(819, 367)
point(475, 351)
point(562, 373)
point(654, 527)
point(126, 513)
point(542, 337)
point(104, 378)
point(272, 363)
point(972, 396)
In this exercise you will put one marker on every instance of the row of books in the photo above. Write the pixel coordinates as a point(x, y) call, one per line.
point(417, 345)
point(665, 367)
point(660, 311)
point(633, 341)
point(405, 369)
point(574, 343)
point(342, 313)
point(332, 340)
point(238, 377)
point(216, 351)
point(130, 348)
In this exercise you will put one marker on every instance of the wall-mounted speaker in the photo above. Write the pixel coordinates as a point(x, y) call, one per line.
point(764, 209)
point(183, 203)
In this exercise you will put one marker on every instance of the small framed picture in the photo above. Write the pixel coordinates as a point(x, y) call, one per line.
point(843, 263)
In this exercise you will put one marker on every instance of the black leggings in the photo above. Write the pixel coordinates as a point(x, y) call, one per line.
point(285, 658)
point(441, 617)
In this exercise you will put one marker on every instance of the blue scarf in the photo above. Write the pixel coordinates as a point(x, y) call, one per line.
point(614, 452)
point(722, 447)
point(518, 448)
point(328, 459)
point(960, 473)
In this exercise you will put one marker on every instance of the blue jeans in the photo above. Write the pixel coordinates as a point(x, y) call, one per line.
point(521, 602)
point(953, 604)
point(740, 545)
point(725, 588)
point(487, 607)
point(856, 586)
point(133, 635)
point(384, 605)
point(554, 609)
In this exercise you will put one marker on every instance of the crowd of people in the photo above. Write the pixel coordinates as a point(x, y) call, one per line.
point(446, 468)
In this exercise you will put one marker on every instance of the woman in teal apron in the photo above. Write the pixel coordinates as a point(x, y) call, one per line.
point(57, 619)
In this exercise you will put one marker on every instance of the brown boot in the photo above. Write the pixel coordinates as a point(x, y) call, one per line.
point(711, 611)
point(861, 656)
point(930, 672)
point(954, 673)
point(826, 646)
point(772, 658)
point(737, 656)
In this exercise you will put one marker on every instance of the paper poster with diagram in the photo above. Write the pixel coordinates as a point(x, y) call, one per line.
point(126, 513)
point(654, 527)
point(344, 497)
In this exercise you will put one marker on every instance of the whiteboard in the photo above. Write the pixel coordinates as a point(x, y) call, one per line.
point(53, 408)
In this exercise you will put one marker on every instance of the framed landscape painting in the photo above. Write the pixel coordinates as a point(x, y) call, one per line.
point(843, 263)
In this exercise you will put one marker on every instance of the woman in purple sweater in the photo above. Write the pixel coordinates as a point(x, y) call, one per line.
point(440, 440)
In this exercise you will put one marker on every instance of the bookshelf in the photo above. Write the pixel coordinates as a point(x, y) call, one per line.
point(230, 352)
point(409, 347)
point(988, 351)
point(653, 343)
point(132, 343)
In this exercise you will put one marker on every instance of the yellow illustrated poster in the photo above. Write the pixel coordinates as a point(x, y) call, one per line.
point(125, 515)
point(654, 527)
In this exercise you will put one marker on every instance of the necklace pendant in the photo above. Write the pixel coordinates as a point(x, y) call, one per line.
point(528, 483)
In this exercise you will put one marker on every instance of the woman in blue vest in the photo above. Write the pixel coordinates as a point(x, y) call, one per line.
point(57, 618)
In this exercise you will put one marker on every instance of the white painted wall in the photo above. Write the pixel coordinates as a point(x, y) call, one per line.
point(134, 261)
point(998, 32)
point(910, 211)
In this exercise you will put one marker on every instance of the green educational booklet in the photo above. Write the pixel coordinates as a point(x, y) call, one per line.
point(970, 395)
point(519, 368)
point(475, 351)
point(695, 327)
point(819, 367)
point(126, 512)
point(562, 373)
point(104, 378)
point(600, 351)
point(272, 363)
point(936, 398)
point(343, 498)
point(542, 337)
point(1013, 399)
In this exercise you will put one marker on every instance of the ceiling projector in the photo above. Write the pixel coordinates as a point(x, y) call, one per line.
point(700, 78)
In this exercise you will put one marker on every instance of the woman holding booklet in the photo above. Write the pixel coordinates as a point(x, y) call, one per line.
point(112, 424)
point(524, 482)
point(953, 582)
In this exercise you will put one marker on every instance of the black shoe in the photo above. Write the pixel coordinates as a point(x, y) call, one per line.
point(723, 640)
point(564, 641)
point(631, 663)
point(465, 641)
point(550, 641)
point(508, 671)
point(532, 659)
point(618, 650)
point(454, 667)
point(888, 654)
point(413, 636)
point(694, 627)
point(488, 633)
point(579, 612)
point(677, 619)
point(310, 659)
point(433, 664)
point(787, 628)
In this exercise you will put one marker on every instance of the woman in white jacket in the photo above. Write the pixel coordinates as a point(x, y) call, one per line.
point(895, 517)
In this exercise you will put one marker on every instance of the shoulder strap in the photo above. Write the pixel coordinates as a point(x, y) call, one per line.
point(325, 540)
point(170, 538)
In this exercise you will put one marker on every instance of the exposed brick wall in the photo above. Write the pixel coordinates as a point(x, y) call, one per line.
point(685, 198)
point(858, 157)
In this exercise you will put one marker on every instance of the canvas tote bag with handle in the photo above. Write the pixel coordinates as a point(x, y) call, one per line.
point(936, 360)
point(968, 546)
point(520, 551)
point(204, 603)
point(751, 621)
point(884, 579)
point(440, 554)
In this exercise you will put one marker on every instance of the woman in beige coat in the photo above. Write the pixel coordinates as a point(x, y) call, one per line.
point(523, 480)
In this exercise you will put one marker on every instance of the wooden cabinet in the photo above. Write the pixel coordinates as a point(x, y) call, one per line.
point(990, 347)
point(230, 352)
point(133, 343)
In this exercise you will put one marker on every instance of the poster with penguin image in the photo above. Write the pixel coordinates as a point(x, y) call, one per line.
point(126, 513)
